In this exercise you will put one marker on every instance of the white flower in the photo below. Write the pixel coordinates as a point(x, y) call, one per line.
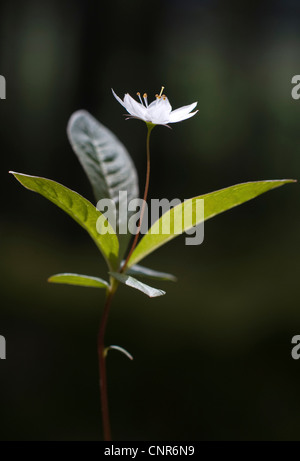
point(159, 112)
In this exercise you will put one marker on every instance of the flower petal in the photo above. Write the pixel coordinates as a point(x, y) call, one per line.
point(176, 114)
point(180, 117)
point(135, 108)
point(153, 103)
point(160, 112)
point(118, 99)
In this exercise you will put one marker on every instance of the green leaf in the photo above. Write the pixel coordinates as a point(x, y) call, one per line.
point(79, 280)
point(103, 157)
point(134, 283)
point(80, 209)
point(214, 204)
point(149, 273)
point(105, 161)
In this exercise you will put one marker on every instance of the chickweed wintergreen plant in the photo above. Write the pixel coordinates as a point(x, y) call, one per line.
point(111, 172)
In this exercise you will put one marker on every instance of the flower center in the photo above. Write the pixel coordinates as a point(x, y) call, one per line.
point(145, 97)
point(161, 95)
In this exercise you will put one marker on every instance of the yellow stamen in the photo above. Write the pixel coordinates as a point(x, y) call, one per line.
point(139, 95)
point(162, 89)
point(145, 96)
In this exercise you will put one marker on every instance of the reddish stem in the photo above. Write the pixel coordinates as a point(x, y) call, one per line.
point(103, 324)
point(102, 368)
point(150, 127)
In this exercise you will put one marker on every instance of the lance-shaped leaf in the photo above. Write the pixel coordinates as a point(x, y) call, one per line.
point(134, 283)
point(79, 280)
point(81, 210)
point(150, 273)
point(103, 157)
point(105, 161)
point(214, 204)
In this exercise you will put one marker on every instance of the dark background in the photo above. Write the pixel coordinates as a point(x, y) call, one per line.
point(213, 356)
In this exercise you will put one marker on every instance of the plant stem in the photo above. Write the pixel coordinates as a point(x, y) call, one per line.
point(150, 127)
point(102, 365)
point(109, 297)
